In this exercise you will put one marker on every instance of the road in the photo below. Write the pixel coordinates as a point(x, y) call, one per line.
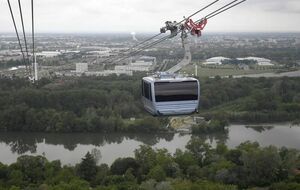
point(186, 59)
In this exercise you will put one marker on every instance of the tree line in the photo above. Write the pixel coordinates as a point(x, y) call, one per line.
point(200, 166)
point(251, 99)
point(112, 104)
point(74, 105)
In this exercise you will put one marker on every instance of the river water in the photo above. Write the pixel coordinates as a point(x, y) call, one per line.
point(70, 148)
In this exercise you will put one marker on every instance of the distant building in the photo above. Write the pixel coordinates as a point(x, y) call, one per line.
point(48, 54)
point(148, 59)
point(105, 52)
point(13, 68)
point(95, 73)
point(144, 63)
point(260, 61)
point(215, 61)
point(141, 63)
point(81, 67)
point(244, 67)
point(108, 72)
point(132, 68)
point(69, 51)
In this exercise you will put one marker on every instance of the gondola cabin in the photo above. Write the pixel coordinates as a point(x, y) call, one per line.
point(167, 94)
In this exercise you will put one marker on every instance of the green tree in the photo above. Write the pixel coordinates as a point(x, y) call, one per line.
point(87, 168)
point(146, 158)
point(200, 149)
point(184, 159)
point(255, 162)
point(157, 173)
point(32, 168)
point(121, 165)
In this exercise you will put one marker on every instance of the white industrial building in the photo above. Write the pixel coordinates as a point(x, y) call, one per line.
point(108, 72)
point(13, 68)
point(132, 68)
point(81, 67)
point(218, 61)
point(48, 54)
point(10, 53)
point(139, 65)
point(215, 61)
point(104, 52)
point(142, 63)
point(260, 61)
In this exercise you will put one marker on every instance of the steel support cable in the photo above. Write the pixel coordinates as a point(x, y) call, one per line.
point(145, 47)
point(17, 33)
point(32, 31)
point(210, 15)
point(128, 51)
point(198, 11)
point(138, 49)
point(220, 10)
point(225, 9)
point(202, 9)
point(151, 38)
point(24, 35)
point(161, 33)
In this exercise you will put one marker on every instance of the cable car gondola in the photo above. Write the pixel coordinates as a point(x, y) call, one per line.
point(166, 94)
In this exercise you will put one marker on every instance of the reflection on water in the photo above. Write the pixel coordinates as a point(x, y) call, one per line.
point(21, 143)
point(276, 134)
point(70, 148)
point(260, 128)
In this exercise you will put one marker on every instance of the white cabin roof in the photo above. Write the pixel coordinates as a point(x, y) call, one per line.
point(168, 79)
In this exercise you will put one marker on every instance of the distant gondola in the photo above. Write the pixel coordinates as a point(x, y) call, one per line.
point(166, 94)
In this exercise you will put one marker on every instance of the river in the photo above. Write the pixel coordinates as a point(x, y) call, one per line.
point(70, 148)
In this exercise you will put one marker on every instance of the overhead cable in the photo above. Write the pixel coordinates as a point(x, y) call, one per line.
point(17, 33)
point(24, 35)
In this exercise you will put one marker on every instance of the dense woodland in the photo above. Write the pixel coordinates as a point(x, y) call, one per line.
point(252, 100)
point(198, 167)
point(108, 104)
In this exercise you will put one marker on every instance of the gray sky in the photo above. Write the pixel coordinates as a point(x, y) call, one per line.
point(149, 15)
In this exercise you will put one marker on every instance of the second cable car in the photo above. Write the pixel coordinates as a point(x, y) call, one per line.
point(166, 94)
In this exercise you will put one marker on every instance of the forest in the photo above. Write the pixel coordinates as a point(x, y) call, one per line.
point(200, 166)
point(112, 104)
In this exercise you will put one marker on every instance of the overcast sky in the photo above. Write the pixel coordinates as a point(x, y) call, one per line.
point(149, 15)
